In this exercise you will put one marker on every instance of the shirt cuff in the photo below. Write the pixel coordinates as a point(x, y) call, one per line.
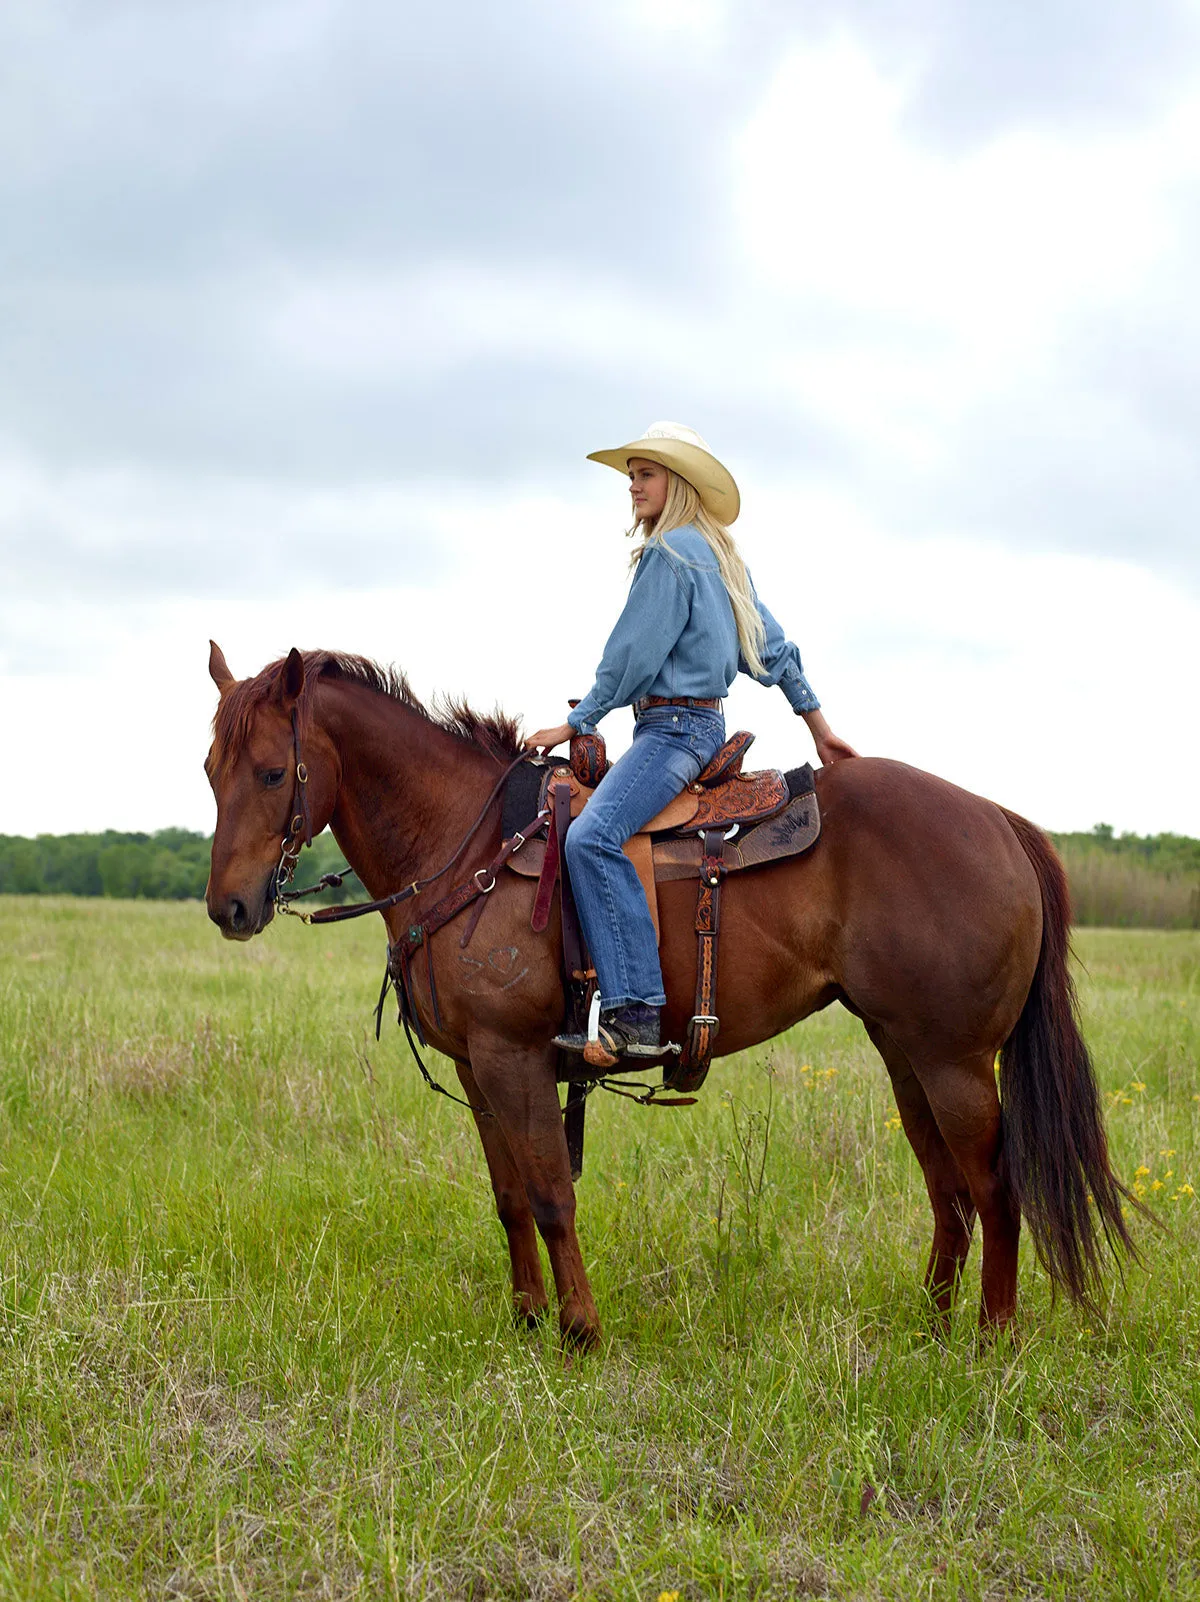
point(584, 717)
point(799, 693)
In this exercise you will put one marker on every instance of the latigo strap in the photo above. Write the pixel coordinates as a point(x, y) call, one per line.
point(692, 1069)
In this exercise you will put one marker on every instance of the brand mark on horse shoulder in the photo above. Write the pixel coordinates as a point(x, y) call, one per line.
point(503, 967)
point(503, 961)
point(471, 967)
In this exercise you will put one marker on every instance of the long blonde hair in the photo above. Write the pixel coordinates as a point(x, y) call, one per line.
point(683, 506)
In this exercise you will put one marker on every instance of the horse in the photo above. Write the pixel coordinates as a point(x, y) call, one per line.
point(938, 918)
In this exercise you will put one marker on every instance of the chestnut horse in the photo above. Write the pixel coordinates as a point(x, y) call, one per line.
point(937, 917)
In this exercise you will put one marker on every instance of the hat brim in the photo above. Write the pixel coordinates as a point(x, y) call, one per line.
point(711, 480)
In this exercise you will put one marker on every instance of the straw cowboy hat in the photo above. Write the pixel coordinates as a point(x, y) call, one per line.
point(684, 452)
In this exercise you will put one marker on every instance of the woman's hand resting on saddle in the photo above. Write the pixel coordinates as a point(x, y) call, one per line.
point(829, 747)
point(547, 739)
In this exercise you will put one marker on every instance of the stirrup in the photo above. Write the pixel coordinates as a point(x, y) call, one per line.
point(611, 1045)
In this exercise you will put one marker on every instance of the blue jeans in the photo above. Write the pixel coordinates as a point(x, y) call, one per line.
point(671, 744)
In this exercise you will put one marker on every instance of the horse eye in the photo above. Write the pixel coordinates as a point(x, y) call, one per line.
point(273, 778)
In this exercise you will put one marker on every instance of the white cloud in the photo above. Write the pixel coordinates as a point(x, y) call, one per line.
point(917, 279)
point(838, 198)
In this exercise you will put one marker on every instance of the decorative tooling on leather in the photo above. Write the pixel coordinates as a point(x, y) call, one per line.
point(739, 800)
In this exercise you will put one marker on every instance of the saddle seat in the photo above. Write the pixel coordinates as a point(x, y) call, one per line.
point(721, 796)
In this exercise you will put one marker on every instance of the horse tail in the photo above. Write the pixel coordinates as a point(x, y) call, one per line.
point(1055, 1149)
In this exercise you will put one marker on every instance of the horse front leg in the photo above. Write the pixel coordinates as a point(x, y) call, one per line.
point(519, 1086)
point(530, 1302)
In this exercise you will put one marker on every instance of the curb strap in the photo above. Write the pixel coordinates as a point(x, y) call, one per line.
point(704, 1025)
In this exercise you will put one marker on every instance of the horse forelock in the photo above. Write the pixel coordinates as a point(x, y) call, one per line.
point(495, 734)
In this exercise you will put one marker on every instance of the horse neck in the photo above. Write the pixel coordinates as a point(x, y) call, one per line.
point(408, 791)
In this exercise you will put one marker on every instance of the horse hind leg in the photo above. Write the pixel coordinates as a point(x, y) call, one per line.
point(530, 1302)
point(966, 1104)
point(949, 1193)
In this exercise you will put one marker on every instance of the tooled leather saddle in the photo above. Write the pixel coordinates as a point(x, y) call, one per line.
point(671, 846)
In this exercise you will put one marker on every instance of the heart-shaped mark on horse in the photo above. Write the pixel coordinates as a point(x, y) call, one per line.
point(504, 958)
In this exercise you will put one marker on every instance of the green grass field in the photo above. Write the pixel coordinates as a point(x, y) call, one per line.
point(254, 1329)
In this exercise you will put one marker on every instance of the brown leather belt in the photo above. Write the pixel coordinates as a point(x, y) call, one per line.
point(675, 700)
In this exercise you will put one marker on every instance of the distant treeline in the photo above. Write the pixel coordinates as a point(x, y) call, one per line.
point(169, 865)
point(1126, 881)
point(1133, 881)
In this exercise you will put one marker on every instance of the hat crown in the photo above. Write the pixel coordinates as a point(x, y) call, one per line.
point(676, 431)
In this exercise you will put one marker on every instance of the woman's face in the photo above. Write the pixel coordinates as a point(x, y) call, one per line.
point(648, 485)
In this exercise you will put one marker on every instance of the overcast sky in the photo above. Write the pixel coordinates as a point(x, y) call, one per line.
point(310, 312)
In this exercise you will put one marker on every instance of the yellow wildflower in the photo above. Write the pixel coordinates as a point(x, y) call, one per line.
point(1157, 1185)
point(668, 1596)
point(1141, 1172)
point(1186, 1190)
point(1138, 1084)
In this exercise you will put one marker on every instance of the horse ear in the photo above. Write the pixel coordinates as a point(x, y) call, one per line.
point(293, 676)
point(218, 668)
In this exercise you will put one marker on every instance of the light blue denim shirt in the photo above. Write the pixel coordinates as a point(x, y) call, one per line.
point(677, 637)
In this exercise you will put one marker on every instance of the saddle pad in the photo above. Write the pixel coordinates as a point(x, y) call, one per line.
point(787, 834)
point(521, 796)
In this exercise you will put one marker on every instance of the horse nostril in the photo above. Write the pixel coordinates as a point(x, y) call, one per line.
point(238, 917)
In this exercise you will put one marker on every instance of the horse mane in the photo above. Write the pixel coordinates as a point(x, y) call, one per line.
point(495, 734)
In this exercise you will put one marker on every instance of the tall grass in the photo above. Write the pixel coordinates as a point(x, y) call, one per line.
point(254, 1330)
point(1120, 892)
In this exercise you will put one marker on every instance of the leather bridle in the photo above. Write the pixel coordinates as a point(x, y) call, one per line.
point(300, 823)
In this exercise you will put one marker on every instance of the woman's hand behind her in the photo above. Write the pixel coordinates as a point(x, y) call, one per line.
point(829, 747)
point(547, 739)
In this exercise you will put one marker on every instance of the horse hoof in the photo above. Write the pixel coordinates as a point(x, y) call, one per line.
point(578, 1338)
point(529, 1318)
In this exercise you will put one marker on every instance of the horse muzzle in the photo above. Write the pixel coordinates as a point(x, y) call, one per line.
point(241, 917)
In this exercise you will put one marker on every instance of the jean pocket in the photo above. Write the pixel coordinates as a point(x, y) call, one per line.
point(706, 735)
